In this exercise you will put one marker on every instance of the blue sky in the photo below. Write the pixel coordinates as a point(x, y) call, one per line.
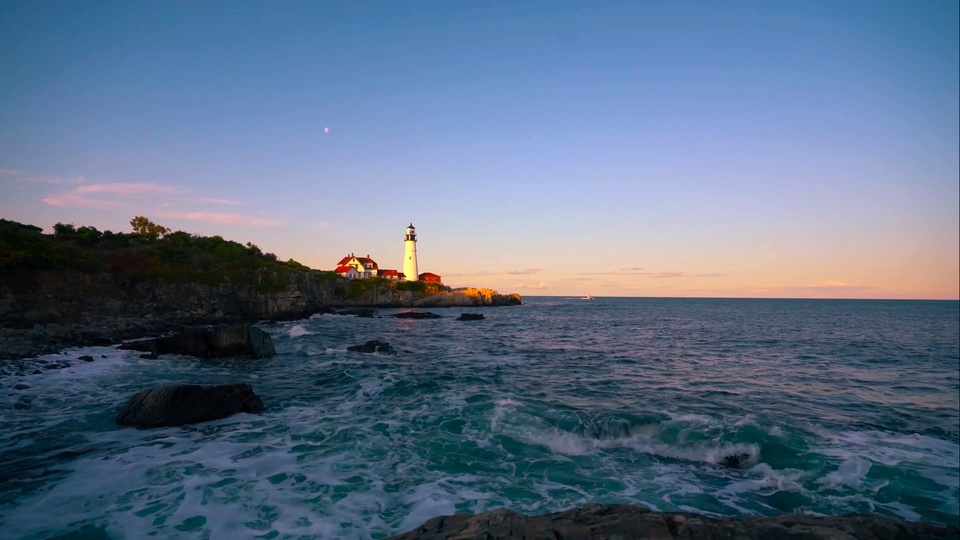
point(606, 148)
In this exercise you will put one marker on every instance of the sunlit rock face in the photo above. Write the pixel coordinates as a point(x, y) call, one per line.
point(609, 522)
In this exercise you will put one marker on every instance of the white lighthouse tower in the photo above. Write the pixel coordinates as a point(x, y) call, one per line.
point(410, 272)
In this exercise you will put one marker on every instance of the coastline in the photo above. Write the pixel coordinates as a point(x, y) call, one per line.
point(71, 310)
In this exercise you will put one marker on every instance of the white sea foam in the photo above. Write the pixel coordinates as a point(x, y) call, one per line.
point(299, 331)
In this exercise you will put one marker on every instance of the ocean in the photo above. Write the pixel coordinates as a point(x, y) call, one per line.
point(836, 406)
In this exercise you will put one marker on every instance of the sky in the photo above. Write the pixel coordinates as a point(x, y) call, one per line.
point(802, 149)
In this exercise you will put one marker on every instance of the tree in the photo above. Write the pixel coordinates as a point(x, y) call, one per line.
point(64, 229)
point(147, 229)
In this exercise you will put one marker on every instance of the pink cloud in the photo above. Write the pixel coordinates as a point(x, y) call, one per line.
point(89, 196)
point(228, 219)
point(53, 179)
point(11, 172)
point(521, 272)
point(126, 189)
point(651, 274)
point(538, 286)
point(214, 201)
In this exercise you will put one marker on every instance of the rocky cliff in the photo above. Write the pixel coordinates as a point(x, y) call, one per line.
point(53, 309)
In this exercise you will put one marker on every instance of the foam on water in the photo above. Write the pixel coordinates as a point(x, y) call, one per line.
point(537, 409)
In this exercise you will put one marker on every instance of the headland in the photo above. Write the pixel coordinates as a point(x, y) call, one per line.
point(81, 286)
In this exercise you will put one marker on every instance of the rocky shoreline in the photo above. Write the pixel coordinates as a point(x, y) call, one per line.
point(73, 309)
point(609, 522)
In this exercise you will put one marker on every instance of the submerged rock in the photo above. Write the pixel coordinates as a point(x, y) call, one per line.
point(188, 404)
point(470, 317)
point(416, 315)
point(358, 312)
point(216, 342)
point(373, 346)
point(86, 358)
point(598, 522)
point(734, 461)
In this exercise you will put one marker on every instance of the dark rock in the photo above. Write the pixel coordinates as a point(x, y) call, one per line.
point(103, 356)
point(102, 341)
point(358, 312)
point(54, 366)
point(21, 386)
point(37, 372)
point(416, 315)
point(188, 404)
point(734, 461)
point(216, 342)
point(373, 346)
point(470, 317)
point(598, 522)
point(150, 356)
point(86, 358)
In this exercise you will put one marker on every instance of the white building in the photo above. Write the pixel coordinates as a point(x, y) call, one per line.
point(410, 254)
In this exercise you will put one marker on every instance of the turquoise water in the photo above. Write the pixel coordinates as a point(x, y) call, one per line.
point(842, 406)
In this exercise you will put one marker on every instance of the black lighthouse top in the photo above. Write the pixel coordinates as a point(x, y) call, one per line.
point(411, 233)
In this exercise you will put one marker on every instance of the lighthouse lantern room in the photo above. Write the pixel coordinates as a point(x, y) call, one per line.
point(410, 254)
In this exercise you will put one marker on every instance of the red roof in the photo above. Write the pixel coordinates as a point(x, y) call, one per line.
point(367, 260)
point(389, 273)
point(345, 260)
point(343, 269)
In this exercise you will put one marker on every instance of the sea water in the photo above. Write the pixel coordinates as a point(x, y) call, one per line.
point(837, 407)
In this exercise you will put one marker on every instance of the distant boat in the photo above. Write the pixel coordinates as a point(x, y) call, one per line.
point(587, 297)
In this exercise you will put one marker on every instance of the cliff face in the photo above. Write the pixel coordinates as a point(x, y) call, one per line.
point(73, 297)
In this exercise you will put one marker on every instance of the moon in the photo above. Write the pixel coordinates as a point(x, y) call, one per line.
point(326, 130)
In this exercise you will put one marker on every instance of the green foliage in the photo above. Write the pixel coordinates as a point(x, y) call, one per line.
point(64, 229)
point(150, 252)
point(147, 229)
point(422, 287)
point(25, 247)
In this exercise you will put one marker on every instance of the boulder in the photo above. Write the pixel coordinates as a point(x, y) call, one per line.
point(597, 522)
point(416, 315)
point(358, 312)
point(216, 342)
point(470, 317)
point(86, 358)
point(188, 404)
point(373, 346)
point(734, 461)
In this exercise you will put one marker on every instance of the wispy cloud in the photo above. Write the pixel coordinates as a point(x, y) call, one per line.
point(580, 279)
point(52, 179)
point(229, 219)
point(642, 272)
point(322, 225)
point(214, 201)
point(11, 172)
point(536, 286)
point(521, 272)
point(91, 196)
point(153, 200)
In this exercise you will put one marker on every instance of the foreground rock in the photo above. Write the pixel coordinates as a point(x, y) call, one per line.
point(416, 315)
point(188, 404)
point(373, 346)
point(470, 317)
point(597, 522)
point(216, 342)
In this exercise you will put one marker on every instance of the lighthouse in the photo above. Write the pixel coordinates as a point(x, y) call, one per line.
point(410, 272)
